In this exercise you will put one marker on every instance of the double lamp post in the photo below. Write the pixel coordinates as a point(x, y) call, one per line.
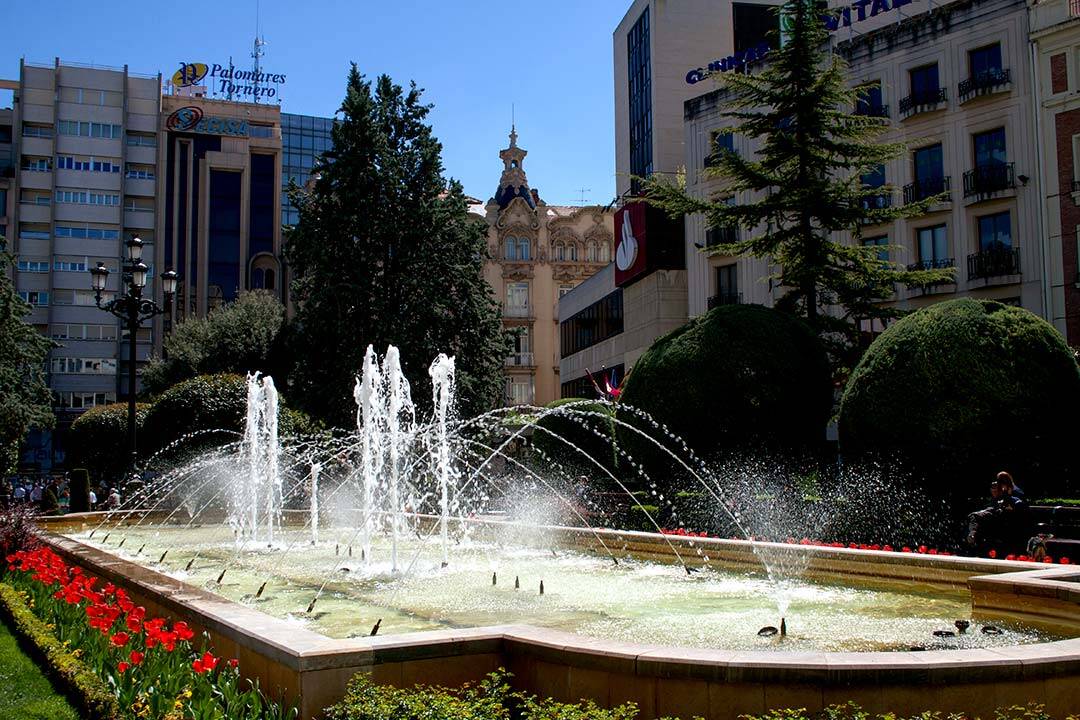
point(132, 309)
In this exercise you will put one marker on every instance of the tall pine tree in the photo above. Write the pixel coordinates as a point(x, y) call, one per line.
point(25, 401)
point(385, 252)
point(806, 180)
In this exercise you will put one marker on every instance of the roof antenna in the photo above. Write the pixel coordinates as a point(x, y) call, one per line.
point(256, 53)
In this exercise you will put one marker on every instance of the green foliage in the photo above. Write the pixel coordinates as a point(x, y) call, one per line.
point(737, 376)
point(97, 439)
point(587, 424)
point(851, 711)
point(84, 687)
point(491, 699)
point(79, 487)
point(27, 693)
point(25, 401)
point(201, 404)
point(961, 390)
point(805, 178)
point(385, 252)
point(238, 337)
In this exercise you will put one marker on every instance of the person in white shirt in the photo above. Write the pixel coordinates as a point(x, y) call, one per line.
point(93, 499)
point(35, 494)
point(19, 494)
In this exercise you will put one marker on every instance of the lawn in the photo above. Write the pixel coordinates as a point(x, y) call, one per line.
point(25, 693)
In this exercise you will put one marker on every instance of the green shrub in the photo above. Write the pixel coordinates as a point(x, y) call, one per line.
point(737, 376)
point(80, 683)
point(491, 699)
point(97, 439)
point(203, 403)
point(587, 425)
point(963, 389)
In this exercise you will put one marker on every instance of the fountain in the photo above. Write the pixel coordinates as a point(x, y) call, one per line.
point(441, 507)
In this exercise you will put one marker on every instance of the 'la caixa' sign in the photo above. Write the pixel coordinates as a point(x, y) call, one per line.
point(191, 119)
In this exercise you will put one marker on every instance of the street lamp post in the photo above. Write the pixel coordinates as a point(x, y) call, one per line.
point(132, 308)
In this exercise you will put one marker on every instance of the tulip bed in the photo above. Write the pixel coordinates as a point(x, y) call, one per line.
point(154, 669)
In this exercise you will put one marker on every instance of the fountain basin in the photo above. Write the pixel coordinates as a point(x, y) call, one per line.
point(713, 683)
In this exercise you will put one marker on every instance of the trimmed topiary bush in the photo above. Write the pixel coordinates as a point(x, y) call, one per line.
point(588, 425)
point(203, 403)
point(97, 439)
point(961, 390)
point(738, 376)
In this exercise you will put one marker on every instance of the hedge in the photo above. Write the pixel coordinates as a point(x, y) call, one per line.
point(961, 390)
point(738, 376)
point(589, 425)
point(97, 439)
point(82, 686)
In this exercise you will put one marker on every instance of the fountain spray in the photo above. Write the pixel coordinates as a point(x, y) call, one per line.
point(399, 397)
point(442, 391)
point(316, 468)
point(369, 408)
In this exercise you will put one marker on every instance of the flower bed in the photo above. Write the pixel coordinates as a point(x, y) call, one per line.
point(150, 668)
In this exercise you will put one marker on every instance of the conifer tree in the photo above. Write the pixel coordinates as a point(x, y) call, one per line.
point(806, 180)
point(386, 252)
point(25, 401)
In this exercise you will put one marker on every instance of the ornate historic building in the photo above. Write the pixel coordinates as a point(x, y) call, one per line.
point(539, 252)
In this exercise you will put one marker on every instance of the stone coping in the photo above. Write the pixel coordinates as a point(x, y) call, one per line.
point(303, 650)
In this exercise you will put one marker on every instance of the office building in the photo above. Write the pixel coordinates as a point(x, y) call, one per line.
point(303, 139)
point(538, 253)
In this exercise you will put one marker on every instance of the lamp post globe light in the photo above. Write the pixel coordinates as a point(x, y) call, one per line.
point(132, 309)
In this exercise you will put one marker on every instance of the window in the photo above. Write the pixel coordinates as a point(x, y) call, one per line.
point(933, 247)
point(37, 298)
point(71, 331)
point(639, 95)
point(929, 171)
point(36, 266)
point(870, 101)
point(138, 204)
point(69, 265)
point(571, 251)
point(519, 390)
point(33, 164)
point(80, 400)
point(85, 233)
point(990, 148)
point(523, 248)
point(596, 323)
point(995, 232)
point(83, 366)
point(517, 299)
point(590, 252)
point(39, 131)
point(86, 96)
point(605, 252)
point(86, 197)
point(872, 180)
point(753, 25)
point(88, 129)
point(880, 241)
point(727, 286)
point(510, 248)
point(140, 172)
point(719, 143)
point(925, 86)
point(34, 234)
point(985, 63)
point(563, 289)
point(560, 252)
point(141, 139)
point(260, 131)
point(87, 164)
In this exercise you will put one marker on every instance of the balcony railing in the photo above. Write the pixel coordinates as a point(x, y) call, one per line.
point(939, 264)
point(877, 202)
point(927, 188)
point(724, 235)
point(994, 262)
point(515, 311)
point(984, 83)
point(725, 298)
point(922, 101)
point(878, 111)
point(988, 179)
point(524, 359)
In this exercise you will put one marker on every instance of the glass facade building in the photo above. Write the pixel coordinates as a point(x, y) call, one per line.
point(303, 139)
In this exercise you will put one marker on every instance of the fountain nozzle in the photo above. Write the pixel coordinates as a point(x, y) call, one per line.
point(311, 605)
point(444, 564)
point(783, 627)
point(259, 592)
point(337, 548)
point(122, 541)
point(189, 564)
point(541, 587)
point(162, 558)
point(375, 627)
point(91, 537)
point(222, 575)
point(350, 551)
point(615, 560)
point(494, 579)
point(517, 583)
point(106, 538)
point(139, 551)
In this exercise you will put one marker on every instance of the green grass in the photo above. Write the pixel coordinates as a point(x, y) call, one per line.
point(25, 693)
point(1073, 502)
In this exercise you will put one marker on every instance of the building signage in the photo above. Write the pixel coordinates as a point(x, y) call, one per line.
point(857, 12)
point(191, 119)
point(630, 250)
point(230, 80)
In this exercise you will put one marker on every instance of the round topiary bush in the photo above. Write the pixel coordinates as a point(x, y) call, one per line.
point(739, 376)
point(97, 440)
point(962, 389)
point(203, 403)
point(588, 425)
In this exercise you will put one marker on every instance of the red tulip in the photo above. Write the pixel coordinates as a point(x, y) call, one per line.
point(122, 666)
point(136, 657)
point(992, 553)
point(234, 663)
point(120, 639)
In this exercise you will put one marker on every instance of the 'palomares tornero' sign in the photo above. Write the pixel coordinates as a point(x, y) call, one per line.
point(230, 80)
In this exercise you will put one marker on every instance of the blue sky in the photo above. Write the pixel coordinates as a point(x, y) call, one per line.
point(551, 59)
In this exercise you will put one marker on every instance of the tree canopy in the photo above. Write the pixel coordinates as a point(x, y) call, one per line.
point(238, 337)
point(386, 252)
point(25, 400)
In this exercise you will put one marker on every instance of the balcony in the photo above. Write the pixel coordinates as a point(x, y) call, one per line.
point(985, 83)
point(725, 298)
point(724, 235)
point(927, 188)
point(524, 359)
point(994, 262)
point(514, 311)
point(875, 111)
point(921, 102)
point(986, 180)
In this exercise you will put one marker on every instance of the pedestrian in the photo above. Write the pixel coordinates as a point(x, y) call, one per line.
point(93, 499)
point(113, 503)
point(50, 499)
point(20, 494)
point(35, 494)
